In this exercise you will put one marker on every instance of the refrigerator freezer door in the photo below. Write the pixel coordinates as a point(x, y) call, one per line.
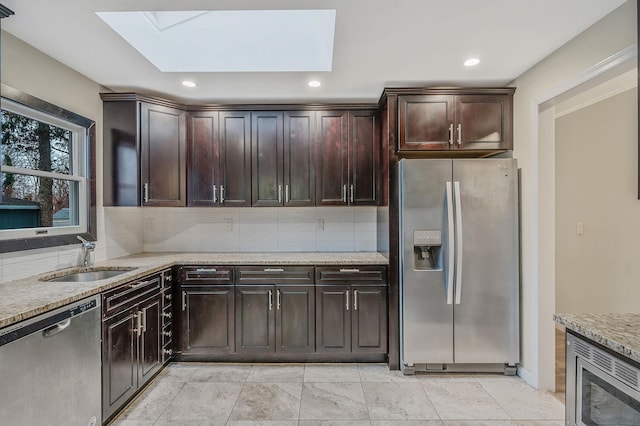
point(427, 319)
point(486, 320)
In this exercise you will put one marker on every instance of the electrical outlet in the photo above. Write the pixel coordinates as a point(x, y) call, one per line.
point(320, 224)
point(228, 224)
point(579, 228)
point(150, 224)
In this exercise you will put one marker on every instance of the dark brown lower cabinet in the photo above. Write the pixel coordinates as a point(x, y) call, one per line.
point(351, 319)
point(119, 363)
point(132, 350)
point(275, 319)
point(207, 320)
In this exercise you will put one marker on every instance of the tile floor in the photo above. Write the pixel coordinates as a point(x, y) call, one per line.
point(335, 394)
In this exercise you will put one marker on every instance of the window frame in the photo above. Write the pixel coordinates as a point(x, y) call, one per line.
point(84, 172)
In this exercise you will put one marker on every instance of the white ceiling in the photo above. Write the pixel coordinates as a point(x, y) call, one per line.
point(378, 43)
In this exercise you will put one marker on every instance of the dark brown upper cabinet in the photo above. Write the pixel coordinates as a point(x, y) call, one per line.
point(219, 166)
point(203, 165)
point(282, 158)
point(348, 158)
point(235, 159)
point(462, 119)
point(144, 149)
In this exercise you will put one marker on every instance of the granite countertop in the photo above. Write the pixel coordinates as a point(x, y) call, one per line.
point(28, 297)
point(618, 332)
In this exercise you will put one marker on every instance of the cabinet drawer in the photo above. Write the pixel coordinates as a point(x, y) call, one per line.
point(352, 274)
point(206, 274)
point(274, 275)
point(127, 295)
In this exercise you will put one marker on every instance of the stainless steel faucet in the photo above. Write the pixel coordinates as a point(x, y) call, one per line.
point(87, 248)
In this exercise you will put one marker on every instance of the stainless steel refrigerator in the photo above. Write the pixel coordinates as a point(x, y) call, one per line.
point(459, 272)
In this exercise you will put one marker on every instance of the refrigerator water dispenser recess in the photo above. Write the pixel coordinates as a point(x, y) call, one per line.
point(427, 249)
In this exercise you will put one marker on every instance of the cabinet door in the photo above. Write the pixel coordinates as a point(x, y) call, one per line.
point(333, 319)
point(295, 319)
point(235, 159)
point(332, 168)
point(426, 122)
point(255, 328)
point(267, 188)
point(369, 319)
point(207, 320)
point(299, 158)
point(203, 159)
point(119, 360)
point(163, 156)
point(484, 122)
point(364, 155)
point(150, 353)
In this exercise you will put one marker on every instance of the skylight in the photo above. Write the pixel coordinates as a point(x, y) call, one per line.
point(230, 40)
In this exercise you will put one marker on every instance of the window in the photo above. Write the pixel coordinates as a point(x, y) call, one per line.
point(46, 164)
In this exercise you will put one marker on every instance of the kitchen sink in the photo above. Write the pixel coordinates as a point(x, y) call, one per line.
point(89, 275)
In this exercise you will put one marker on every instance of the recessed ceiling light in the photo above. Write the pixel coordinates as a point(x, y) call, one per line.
point(471, 62)
point(314, 83)
point(188, 83)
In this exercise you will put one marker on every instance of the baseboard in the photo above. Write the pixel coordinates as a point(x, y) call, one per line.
point(527, 376)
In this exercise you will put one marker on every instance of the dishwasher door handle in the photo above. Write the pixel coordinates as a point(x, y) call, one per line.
point(57, 328)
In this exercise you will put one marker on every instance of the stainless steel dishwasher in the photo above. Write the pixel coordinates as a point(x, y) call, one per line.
point(50, 368)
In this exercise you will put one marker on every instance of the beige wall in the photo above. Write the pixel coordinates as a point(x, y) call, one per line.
point(535, 155)
point(597, 184)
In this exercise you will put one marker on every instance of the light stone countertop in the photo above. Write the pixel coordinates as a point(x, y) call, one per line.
point(28, 297)
point(618, 332)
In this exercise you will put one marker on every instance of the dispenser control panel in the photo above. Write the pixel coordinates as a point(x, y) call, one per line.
point(427, 238)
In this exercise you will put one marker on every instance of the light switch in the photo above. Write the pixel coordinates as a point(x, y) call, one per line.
point(320, 224)
point(228, 224)
point(579, 228)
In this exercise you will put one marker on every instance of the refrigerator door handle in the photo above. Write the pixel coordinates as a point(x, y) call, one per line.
point(450, 244)
point(456, 186)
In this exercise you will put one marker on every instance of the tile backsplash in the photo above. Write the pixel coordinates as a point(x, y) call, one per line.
point(260, 229)
point(130, 230)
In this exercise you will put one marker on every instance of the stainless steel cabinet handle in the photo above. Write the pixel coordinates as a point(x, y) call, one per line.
point(270, 300)
point(167, 297)
point(347, 300)
point(450, 134)
point(206, 270)
point(184, 300)
point(138, 317)
point(215, 194)
point(221, 194)
point(450, 245)
point(143, 323)
point(273, 269)
point(349, 270)
point(139, 284)
point(166, 314)
point(286, 194)
point(168, 277)
point(167, 351)
point(146, 192)
point(278, 300)
point(456, 187)
point(351, 193)
point(57, 328)
point(355, 300)
point(166, 333)
point(344, 193)
point(279, 193)
point(459, 134)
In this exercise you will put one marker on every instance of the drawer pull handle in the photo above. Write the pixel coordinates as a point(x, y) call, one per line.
point(168, 277)
point(273, 270)
point(166, 333)
point(139, 284)
point(349, 270)
point(277, 300)
point(206, 270)
point(184, 300)
point(347, 300)
point(355, 300)
point(166, 314)
point(270, 300)
point(167, 351)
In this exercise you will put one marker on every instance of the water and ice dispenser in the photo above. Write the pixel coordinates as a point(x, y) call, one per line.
point(427, 249)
